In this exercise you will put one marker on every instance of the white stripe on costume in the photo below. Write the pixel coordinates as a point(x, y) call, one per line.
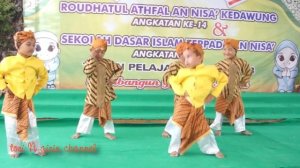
point(109, 127)
point(206, 144)
point(169, 126)
point(86, 123)
point(175, 141)
point(218, 121)
point(240, 124)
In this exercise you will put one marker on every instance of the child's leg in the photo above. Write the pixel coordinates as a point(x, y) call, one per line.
point(240, 126)
point(13, 141)
point(109, 129)
point(84, 126)
point(175, 141)
point(33, 136)
point(169, 126)
point(208, 145)
point(217, 123)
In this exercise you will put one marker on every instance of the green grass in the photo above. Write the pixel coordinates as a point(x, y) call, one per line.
point(136, 146)
point(272, 145)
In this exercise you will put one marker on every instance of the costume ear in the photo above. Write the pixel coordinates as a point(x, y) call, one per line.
point(15, 40)
point(16, 46)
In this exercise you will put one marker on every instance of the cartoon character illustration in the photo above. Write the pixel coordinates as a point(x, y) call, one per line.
point(286, 65)
point(48, 51)
point(32, 7)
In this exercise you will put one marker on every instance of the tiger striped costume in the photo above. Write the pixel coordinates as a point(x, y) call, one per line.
point(190, 123)
point(99, 89)
point(230, 102)
point(172, 70)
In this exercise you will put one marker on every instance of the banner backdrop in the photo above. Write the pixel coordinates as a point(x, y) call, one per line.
point(142, 35)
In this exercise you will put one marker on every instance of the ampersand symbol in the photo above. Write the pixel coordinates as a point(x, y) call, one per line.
point(219, 29)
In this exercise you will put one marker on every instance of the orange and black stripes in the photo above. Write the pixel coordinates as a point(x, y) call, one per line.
point(247, 71)
point(232, 110)
point(17, 107)
point(221, 105)
point(112, 71)
point(192, 121)
point(23, 120)
point(89, 66)
point(172, 70)
point(103, 114)
point(238, 72)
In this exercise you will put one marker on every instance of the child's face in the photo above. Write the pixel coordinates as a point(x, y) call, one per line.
point(229, 52)
point(26, 49)
point(181, 59)
point(98, 52)
point(287, 58)
point(191, 60)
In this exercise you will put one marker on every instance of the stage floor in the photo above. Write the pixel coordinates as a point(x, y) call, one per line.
point(272, 145)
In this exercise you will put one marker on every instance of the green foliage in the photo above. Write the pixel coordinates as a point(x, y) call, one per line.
point(8, 13)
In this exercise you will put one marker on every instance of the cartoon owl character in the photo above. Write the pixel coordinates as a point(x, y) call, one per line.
point(48, 51)
point(286, 65)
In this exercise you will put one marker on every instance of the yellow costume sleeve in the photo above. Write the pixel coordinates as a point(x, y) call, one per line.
point(172, 70)
point(176, 81)
point(222, 80)
point(2, 73)
point(42, 78)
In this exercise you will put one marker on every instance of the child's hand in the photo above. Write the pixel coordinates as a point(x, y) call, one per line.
point(288, 72)
point(166, 85)
point(284, 72)
point(112, 81)
point(244, 86)
point(94, 54)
